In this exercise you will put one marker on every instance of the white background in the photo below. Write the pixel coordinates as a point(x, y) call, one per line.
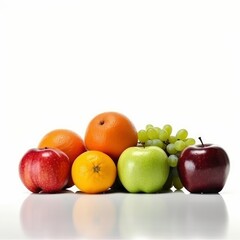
point(158, 62)
point(63, 62)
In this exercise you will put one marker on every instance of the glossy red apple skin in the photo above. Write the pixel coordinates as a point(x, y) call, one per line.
point(44, 170)
point(203, 168)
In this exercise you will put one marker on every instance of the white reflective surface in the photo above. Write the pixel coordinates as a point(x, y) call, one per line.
point(72, 215)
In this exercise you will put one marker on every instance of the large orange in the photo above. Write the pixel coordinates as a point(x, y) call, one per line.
point(66, 140)
point(93, 172)
point(111, 133)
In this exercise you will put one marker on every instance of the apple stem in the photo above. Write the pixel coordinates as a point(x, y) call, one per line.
point(201, 141)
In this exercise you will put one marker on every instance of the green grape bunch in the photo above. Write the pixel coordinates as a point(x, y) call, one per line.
point(172, 144)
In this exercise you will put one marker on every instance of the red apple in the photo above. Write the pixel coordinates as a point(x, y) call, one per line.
point(203, 168)
point(44, 169)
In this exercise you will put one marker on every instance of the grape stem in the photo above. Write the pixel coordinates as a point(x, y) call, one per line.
point(141, 144)
point(201, 141)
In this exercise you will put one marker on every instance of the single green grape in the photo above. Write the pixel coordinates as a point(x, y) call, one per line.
point(142, 136)
point(158, 129)
point(158, 143)
point(168, 128)
point(171, 148)
point(163, 135)
point(148, 126)
point(149, 142)
point(189, 141)
point(179, 145)
point(177, 183)
point(172, 139)
point(172, 160)
point(182, 134)
point(164, 146)
point(152, 133)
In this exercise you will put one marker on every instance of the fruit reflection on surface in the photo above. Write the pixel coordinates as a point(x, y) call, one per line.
point(176, 215)
point(94, 216)
point(48, 216)
point(111, 216)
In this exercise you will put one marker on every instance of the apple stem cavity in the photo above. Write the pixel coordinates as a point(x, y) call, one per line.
point(201, 141)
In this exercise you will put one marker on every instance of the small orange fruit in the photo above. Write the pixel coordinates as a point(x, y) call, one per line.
point(111, 133)
point(93, 172)
point(67, 141)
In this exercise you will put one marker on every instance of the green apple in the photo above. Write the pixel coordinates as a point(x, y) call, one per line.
point(143, 169)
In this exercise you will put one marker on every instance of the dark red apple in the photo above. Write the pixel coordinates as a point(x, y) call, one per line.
point(203, 168)
point(44, 169)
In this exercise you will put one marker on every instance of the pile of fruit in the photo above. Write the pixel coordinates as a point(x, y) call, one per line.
point(114, 154)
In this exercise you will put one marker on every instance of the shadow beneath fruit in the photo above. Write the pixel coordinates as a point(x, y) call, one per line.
point(175, 215)
point(61, 192)
point(48, 215)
